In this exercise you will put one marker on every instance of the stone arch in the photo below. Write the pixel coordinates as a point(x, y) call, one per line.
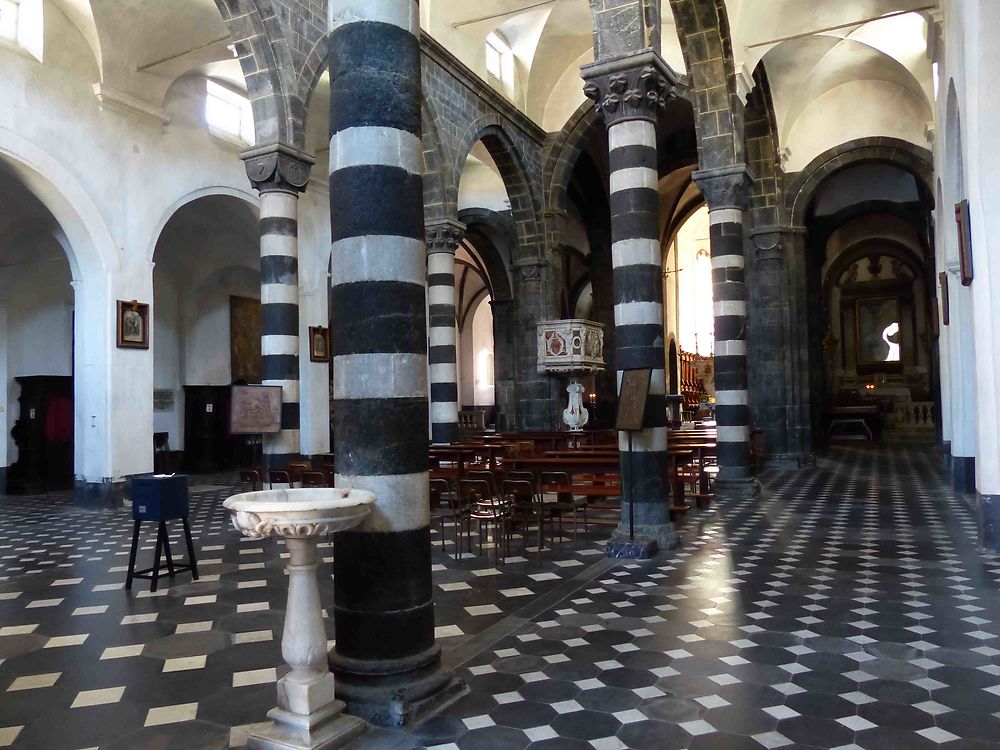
point(761, 147)
point(883, 246)
point(93, 250)
point(440, 185)
point(706, 43)
point(523, 204)
point(244, 195)
point(488, 231)
point(902, 154)
point(561, 154)
point(278, 109)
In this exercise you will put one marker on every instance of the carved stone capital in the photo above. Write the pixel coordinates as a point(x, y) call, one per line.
point(768, 242)
point(278, 167)
point(530, 270)
point(726, 187)
point(631, 87)
point(444, 235)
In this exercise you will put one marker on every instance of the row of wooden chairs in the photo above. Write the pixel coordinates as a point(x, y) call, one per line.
point(300, 474)
point(516, 499)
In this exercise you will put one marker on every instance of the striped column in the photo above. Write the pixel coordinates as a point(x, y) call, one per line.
point(386, 660)
point(726, 192)
point(280, 173)
point(443, 238)
point(630, 94)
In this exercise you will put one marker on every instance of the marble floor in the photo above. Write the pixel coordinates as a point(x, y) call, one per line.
point(848, 608)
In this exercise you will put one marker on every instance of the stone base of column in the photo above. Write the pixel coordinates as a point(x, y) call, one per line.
point(398, 693)
point(326, 729)
point(963, 474)
point(98, 495)
point(736, 489)
point(641, 549)
point(648, 540)
point(989, 522)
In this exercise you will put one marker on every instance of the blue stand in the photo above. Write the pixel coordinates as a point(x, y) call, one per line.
point(160, 499)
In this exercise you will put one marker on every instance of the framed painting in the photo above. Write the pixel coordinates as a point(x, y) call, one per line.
point(879, 337)
point(133, 325)
point(319, 344)
point(255, 410)
point(962, 219)
point(632, 399)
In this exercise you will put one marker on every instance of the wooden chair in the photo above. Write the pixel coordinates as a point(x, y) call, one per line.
point(297, 468)
point(278, 476)
point(489, 510)
point(251, 477)
point(314, 479)
point(526, 507)
point(455, 511)
point(566, 502)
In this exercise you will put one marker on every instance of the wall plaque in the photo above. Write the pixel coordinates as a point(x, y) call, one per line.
point(632, 399)
point(255, 409)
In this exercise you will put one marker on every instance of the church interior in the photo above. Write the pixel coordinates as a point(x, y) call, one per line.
point(509, 375)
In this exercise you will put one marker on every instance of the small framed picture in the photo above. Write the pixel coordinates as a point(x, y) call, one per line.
point(964, 222)
point(319, 344)
point(133, 325)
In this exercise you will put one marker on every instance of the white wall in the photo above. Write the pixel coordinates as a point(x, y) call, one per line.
point(111, 181)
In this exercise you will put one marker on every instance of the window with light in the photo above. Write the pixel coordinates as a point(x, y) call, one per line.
point(9, 19)
point(499, 60)
point(228, 114)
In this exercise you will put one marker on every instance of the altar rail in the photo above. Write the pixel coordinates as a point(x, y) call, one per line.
point(911, 415)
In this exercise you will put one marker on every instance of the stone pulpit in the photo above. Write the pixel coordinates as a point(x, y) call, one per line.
point(572, 348)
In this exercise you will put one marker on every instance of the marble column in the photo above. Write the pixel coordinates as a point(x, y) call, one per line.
point(630, 92)
point(726, 191)
point(280, 173)
point(443, 239)
point(386, 659)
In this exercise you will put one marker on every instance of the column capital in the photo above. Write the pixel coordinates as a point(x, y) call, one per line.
point(444, 235)
point(769, 241)
point(635, 86)
point(725, 187)
point(277, 167)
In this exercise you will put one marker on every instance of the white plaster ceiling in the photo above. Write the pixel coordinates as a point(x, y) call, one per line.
point(831, 85)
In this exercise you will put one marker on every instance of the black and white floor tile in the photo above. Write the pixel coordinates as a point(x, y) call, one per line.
point(847, 608)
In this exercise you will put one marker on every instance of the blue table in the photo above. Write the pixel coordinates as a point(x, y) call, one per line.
point(160, 499)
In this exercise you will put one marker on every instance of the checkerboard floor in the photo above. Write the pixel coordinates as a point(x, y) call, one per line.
point(849, 607)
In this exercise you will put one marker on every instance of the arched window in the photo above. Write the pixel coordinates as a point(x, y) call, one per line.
point(500, 62)
point(228, 114)
point(21, 25)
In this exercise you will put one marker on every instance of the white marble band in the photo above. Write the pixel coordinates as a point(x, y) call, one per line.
point(635, 252)
point(276, 204)
point(279, 345)
point(441, 335)
point(441, 294)
point(378, 146)
point(381, 375)
point(730, 348)
point(725, 216)
point(289, 389)
point(650, 440)
point(633, 178)
point(632, 133)
point(729, 307)
point(738, 434)
point(279, 294)
point(638, 313)
point(444, 372)
point(378, 258)
point(728, 261)
point(402, 500)
point(285, 442)
point(731, 398)
point(401, 13)
point(279, 244)
point(444, 412)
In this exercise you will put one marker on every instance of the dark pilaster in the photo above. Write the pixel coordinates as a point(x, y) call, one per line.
point(726, 192)
point(386, 660)
point(443, 239)
point(280, 173)
point(630, 93)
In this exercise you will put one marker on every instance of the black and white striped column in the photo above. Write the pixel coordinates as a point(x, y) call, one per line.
point(443, 238)
point(630, 94)
point(280, 173)
point(726, 192)
point(386, 659)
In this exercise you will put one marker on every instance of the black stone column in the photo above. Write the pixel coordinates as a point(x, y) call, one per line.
point(386, 660)
point(280, 173)
point(630, 93)
point(726, 191)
